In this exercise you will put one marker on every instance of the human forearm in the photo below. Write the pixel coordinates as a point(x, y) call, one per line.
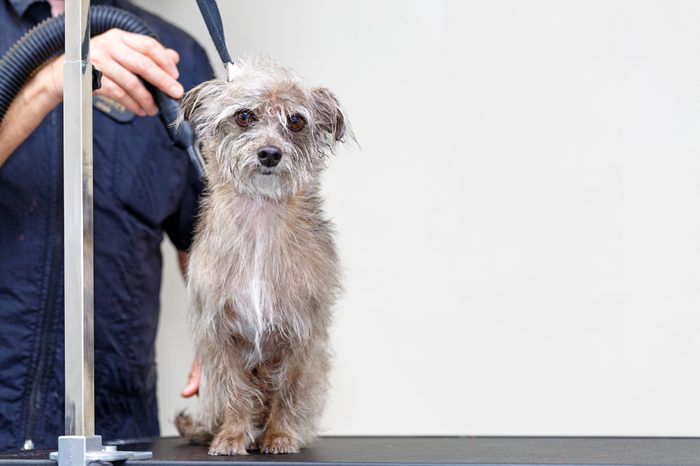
point(34, 101)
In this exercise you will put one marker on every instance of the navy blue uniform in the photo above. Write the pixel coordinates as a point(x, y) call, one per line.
point(143, 187)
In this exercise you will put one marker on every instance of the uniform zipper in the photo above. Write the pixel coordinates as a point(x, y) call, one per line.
point(36, 398)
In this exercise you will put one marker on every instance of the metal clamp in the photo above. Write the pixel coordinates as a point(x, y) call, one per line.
point(78, 450)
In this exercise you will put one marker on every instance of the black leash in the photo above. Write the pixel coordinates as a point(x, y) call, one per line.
point(212, 18)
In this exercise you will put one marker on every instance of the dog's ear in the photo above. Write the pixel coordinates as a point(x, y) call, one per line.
point(328, 112)
point(190, 102)
point(198, 98)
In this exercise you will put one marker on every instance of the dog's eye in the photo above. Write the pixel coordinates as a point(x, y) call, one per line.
point(296, 122)
point(244, 118)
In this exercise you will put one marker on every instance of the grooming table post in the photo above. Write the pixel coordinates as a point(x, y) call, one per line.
point(78, 222)
point(80, 445)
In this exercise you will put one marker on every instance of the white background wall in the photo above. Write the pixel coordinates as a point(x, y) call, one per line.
point(520, 228)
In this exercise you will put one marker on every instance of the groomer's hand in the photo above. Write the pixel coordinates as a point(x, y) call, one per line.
point(123, 57)
point(192, 387)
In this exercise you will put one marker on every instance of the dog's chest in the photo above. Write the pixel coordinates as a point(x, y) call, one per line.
point(270, 268)
point(257, 278)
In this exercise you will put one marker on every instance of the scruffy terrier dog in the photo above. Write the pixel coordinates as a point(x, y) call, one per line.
point(263, 270)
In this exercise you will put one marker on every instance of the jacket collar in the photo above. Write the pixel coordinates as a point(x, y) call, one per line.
point(21, 6)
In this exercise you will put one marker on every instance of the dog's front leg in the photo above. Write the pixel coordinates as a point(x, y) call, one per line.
point(235, 435)
point(296, 406)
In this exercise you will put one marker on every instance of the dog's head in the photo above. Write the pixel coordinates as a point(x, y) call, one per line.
point(265, 132)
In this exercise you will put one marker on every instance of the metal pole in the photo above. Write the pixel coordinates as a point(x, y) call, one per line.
point(78, 222)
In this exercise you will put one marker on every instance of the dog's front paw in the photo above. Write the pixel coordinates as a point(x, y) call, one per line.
point(228, 444)
point(276, 443)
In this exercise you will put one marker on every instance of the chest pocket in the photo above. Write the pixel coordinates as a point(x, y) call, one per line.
point(149, 171)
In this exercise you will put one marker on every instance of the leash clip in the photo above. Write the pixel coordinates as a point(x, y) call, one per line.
point(232, 71)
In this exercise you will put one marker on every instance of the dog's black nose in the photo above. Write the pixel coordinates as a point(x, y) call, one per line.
point(269, 156)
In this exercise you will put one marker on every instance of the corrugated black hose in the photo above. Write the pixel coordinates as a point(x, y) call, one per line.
point(46, 40)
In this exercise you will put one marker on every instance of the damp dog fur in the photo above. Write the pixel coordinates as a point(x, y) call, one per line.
point(263, 273)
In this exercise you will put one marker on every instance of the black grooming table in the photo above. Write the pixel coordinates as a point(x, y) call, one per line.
point(425, 451)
